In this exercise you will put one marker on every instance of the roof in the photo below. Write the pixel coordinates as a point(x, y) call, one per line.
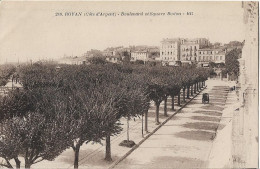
point(139, 51)
point(171, 40)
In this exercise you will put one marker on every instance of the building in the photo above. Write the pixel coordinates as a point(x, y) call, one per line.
point(139, 55)
point(73, 60)
point(170, 51)
point(207, 55)
point(113, 58)
point(189, 49)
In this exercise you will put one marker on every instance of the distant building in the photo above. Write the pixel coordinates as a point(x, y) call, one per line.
point(113, 59)
point(139, 55)
point(189, 48)
point(207, 55)
point(73, 60)
point(170, 51)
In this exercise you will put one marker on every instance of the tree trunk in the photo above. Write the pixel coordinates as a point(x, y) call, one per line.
point(165, 107)
point(127, 131)
point(27, 165)
point(195, 88)
point(76, 156)
point(198, 86)
point(188, 92)
point(183, 90)
point(157, 114)
point(173, 102)
point(179, 98)
point(18, 162)
point(191, 90)
point(146, 121)
point(108, 149)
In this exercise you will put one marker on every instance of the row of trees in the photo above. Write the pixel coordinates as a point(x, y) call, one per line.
point(75, 105)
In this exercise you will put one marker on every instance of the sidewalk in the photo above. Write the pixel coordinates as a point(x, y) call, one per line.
point(223, 141)
point(92, 155)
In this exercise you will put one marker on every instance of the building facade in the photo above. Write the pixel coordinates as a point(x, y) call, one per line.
point(113, 59)
point(140, 55)
point(189, 48)
point(170, 50)
point(211, 55)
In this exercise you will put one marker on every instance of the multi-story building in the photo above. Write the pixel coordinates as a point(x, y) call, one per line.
point(170, 50)
point(113, 58)
point(207, 55)
point(189, 48)
point(140, 55)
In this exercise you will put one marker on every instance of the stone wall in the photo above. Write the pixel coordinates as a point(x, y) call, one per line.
point(245, 123)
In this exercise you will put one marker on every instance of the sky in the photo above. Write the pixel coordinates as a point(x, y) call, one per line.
point(30, 30)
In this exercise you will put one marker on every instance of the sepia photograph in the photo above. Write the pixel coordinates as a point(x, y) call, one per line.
point(129, 85)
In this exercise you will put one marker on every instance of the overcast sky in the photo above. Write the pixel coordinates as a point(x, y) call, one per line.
point(30, 30)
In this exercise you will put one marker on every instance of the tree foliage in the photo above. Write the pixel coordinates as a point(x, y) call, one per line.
point(232, 64)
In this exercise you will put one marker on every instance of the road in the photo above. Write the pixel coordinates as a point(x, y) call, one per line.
point(187, 139)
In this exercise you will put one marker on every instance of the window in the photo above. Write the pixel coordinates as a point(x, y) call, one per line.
point(162, 53)
point(168, 53)
point(200, 52)
point(220, 57)
point(216, 57)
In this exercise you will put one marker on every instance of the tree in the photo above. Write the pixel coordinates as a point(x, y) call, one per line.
point(97, 60)
point(125, 56)
point(134, 103)
point(10, 145)
point(156, 90)
point(6, 71)
point(42, 133)
point(232, 64)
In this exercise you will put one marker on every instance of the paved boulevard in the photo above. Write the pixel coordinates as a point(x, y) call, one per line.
point(186, 140)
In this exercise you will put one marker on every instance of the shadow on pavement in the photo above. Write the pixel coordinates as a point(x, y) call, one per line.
point(211, 113)
point(175, 162)
point(212, 107)
point(196, 135)
point(205, 118)
point(201, 126)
